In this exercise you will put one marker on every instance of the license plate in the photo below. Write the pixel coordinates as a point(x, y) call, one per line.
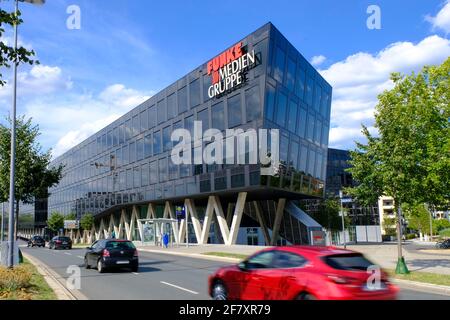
point(122, 262)
point(64, 242)
point(375, 288)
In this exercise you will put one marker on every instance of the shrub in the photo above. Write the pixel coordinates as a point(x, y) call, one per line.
point(411, 236)
point(445, 233)
point(14, 279)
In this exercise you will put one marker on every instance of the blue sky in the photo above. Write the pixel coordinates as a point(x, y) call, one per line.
point(126, 51)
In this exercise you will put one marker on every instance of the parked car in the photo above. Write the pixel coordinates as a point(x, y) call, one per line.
point(60, 243)
point(36, 241)
point(112, 253)
point(301, 273)
point(445, 244)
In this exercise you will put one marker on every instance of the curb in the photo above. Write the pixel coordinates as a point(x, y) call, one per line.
point(434, 288)
point(53, 280)
point(193, 255)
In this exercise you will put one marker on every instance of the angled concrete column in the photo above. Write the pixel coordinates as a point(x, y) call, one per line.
point(229, 214)
point(133, 222)
point(192, 210)
point(122, 224)
point(151, 212)
point(278, 217)
point(237, 217)
point(208, 219)
point(262, 222)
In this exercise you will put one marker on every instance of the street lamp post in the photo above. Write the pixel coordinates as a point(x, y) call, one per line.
point(11, 235)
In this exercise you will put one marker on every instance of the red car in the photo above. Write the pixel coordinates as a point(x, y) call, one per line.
point(302, 273)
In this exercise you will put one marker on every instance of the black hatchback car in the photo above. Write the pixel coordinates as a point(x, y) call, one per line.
point(112, 253)
point(60, 243)
point(36, 241)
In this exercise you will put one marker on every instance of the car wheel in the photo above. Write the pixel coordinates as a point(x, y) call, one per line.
point(135, 269)
point(100, 267)
point(86, 264)
point(219, 292)
point(305, 296)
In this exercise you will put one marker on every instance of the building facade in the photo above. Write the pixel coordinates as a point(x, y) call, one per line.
point(125, 172)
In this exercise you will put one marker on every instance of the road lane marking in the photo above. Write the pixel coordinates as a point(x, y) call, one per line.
point(135, 273)
point(178, 287)
point(66, 253)
point(80, 257)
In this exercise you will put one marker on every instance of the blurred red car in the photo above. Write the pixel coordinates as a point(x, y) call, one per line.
point(302, 273)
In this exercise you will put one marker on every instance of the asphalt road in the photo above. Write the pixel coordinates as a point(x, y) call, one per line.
point(160, 277)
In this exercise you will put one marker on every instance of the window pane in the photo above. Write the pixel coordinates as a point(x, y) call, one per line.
point(294, 155)
point(144, 120)
point(280, 60)
point(173, 170)
point(162, 115)
point(145, 177)
point(154, 172)
point(309, 91)
point(125, 155)
point(115, 137)
point(284, 147)
point(140, 149)
point(303, 158)
point(182, 100)
point(325, 136)
point(136, 125)
point(234, 111)
point(206, 84)
point(148, 146)
point(318, 132)
point(301, 126)
point(311, 162)
point(189, 125)
point(292, 118)
point(167, 143)
point(270, 102)
point(317, 97)
point(132, 152)
point(129, 179)
point(300, 83)
point(310, 131)
point(171, 106)
point(163, 170)
point(137, 177)
point(217, 113)
point(110, 139)
point(252, 104)
point(203, 116)
point(281, 109)
point(152, 117)
point(128, 130)
point(290, 77)
point(194, 93)
point(157, 142)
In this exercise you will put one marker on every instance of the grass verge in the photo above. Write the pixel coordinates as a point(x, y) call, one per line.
point(424, 277)
point(36, 289)
point(226, 255)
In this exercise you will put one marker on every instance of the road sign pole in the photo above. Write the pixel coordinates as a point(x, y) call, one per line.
point(187, 227)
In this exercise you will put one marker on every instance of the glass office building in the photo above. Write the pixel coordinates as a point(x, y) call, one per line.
point(129, 162)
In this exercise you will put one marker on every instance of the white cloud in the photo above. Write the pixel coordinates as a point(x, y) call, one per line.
point(442, 19)
point(73, 118)
point(40, 79)
point(361, 77)
point(318, 60)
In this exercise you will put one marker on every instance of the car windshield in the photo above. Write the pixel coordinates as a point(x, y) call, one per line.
point(353, 261)
point(120, 245)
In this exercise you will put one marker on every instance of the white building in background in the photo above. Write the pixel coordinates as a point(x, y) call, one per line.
point(386, 209)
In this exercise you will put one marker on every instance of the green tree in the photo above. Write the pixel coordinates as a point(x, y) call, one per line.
point(418, 218)
point(71, 216)
point(33, 177)
point(7, 53)
point(328, 216)
point(87, 221)
point(409, 159)
point(56, 222)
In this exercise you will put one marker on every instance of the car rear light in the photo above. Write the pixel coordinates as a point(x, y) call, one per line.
point(136, 254)
point(58, 241)
point(341, 280)
point(106, 253)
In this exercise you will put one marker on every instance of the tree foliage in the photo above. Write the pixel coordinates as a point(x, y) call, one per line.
point(33, 176)
point(7, 52)
point(409, 159)
point(55, 222)
point(87, 221)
